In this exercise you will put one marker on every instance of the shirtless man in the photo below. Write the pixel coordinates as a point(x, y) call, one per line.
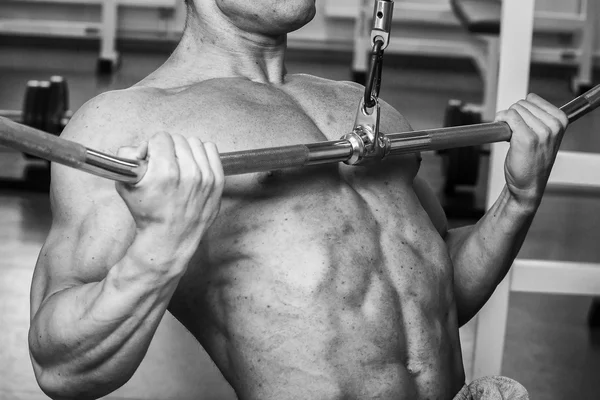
point(330, 282)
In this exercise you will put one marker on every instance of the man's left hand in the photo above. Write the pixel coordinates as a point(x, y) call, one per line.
point(538, 128)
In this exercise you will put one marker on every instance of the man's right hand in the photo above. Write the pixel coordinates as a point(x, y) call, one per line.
point(179, 196)
point(110, 264)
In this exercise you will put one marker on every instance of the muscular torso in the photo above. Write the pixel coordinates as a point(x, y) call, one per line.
point(327, 282)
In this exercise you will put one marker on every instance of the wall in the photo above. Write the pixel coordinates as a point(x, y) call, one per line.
point(327, 30)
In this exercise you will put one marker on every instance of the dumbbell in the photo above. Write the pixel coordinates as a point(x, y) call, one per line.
point(45, 106)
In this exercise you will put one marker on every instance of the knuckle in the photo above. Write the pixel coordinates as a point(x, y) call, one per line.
point(208, 180)
point(170, 172)
point(522, 103)
point(220, 179)
point(168, 176)
point(219, 184)
point(502, 115)
point(211, 147)
point(178, 139)
point(532, 96)
point(193, 174)
point(161, 135)
point(555, 126)
point(531, 139)
point(158, 139)
point(563, 118)
point(544, 133)
point(195, 141)
point(513, 114)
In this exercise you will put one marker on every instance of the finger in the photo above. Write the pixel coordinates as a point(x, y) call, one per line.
point(517, 124)
point(134, 152)
point(139, 152)
point(185, 158)
point(549, 108)
point(161, 157)
point(219, 180)
point(142, 150)
point(552, 122)
point(215, 162)
point(531, 119)
point(127, 152)
point(201, 160)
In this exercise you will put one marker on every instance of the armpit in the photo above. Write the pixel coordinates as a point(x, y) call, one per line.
point(431, 205)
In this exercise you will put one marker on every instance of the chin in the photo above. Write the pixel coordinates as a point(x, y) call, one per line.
point(269, 17)
point(298, 15)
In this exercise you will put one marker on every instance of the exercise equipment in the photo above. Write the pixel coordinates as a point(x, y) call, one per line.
point(480, 18)
point(353, 149)
point(45, 106)
point(379, 40)
point(461, 166)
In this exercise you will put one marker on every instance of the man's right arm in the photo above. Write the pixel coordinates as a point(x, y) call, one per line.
point(111, 263)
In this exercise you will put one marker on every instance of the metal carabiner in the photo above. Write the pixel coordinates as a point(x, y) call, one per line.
point(367, 142)
point(366, 139)
point(380, 39)
point(373, 83)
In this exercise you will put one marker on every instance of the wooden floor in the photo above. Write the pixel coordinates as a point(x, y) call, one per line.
point(549, 347)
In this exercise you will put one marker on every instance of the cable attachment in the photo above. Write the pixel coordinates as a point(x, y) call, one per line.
point(380, 38)
point(366, 139)
point(373, 84)
point(382, 22)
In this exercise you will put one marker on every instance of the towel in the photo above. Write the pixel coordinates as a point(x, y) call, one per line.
point(493, 388)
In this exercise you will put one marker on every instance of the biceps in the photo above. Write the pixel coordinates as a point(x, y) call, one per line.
point(91, 231)
point(75, 256)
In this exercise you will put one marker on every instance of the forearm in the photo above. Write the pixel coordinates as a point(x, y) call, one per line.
point(483, 254)
point(86, 341)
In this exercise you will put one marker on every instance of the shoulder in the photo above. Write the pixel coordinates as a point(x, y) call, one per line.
point(349, 93)
point(105, 123)
point(111, 119)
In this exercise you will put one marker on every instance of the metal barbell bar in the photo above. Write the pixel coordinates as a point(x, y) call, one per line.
point(52, 148)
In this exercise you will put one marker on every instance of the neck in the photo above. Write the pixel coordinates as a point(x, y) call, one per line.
point(212, 47)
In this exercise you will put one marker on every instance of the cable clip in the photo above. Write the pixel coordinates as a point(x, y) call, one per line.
point(366, 139)
point(380, 38)
point(382, 22)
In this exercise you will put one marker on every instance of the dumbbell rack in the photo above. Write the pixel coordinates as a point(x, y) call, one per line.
point(45, 107)
point(105, 30)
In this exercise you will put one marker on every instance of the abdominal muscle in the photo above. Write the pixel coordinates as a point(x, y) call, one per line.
point(308, 299)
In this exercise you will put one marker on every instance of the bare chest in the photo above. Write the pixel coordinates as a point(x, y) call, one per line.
point(352, 219)
point(242, 115)
point(331, 260)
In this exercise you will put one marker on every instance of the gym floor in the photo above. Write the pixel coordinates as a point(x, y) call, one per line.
point(549, 347)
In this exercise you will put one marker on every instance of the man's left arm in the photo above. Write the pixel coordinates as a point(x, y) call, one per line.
point(483, 254)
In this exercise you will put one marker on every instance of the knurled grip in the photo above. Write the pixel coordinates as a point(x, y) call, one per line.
point(41, 144)
point(262, 160)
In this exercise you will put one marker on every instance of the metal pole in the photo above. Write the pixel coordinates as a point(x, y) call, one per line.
point(52, 148)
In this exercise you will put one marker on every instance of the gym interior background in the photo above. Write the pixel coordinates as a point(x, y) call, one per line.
point(552, 347)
